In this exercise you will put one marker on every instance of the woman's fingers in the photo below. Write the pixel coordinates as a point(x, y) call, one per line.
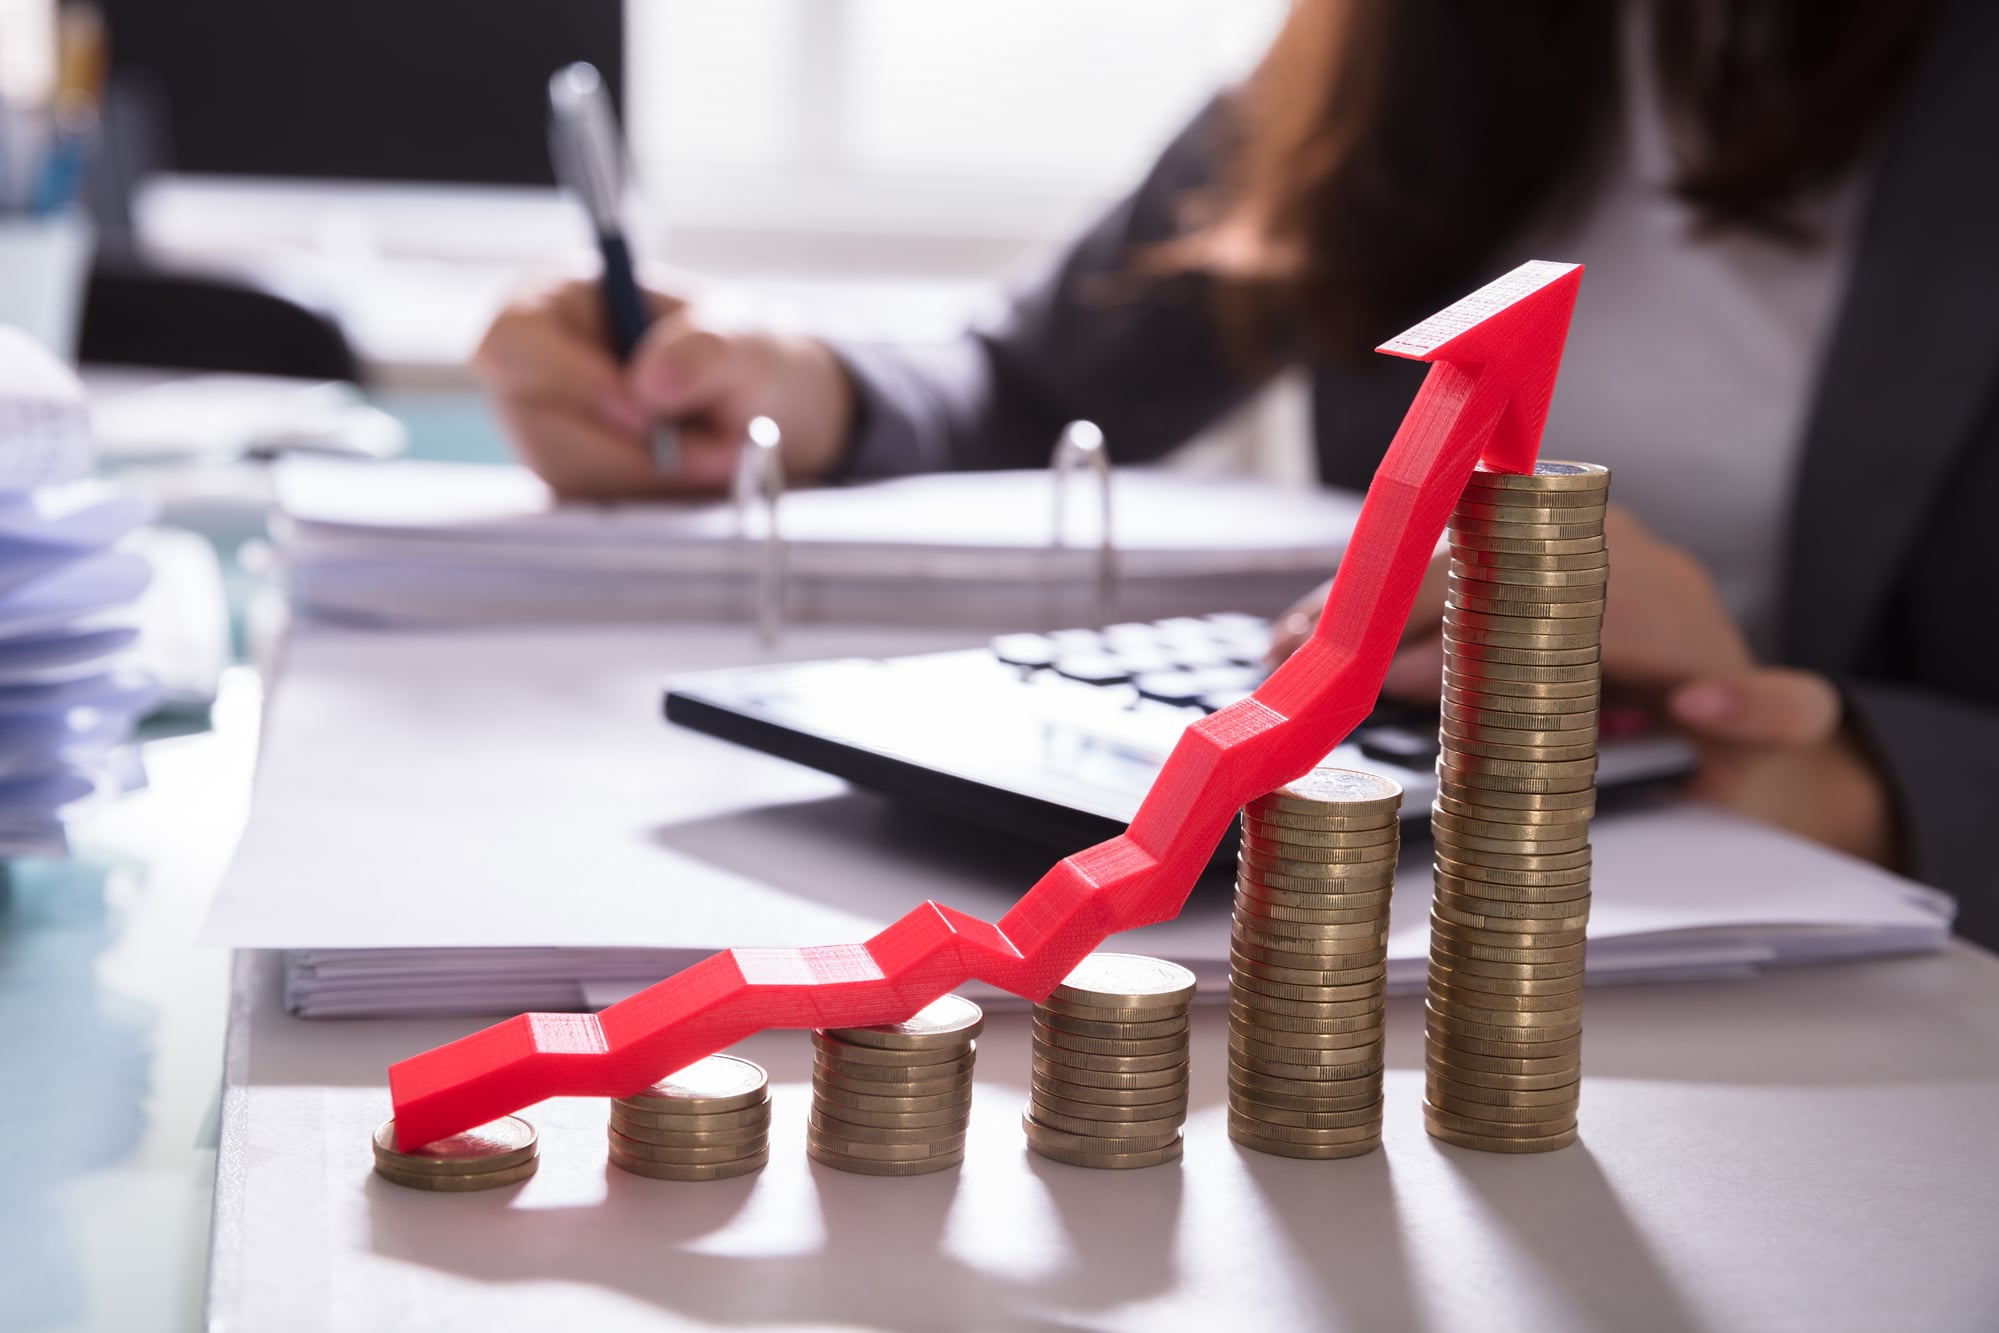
point(1416, 675)
point(1775, 706)
point(578, 457)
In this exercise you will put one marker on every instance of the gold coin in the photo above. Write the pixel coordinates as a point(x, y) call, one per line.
point(1501, 548)
point(1298, 859)
point(1449, 790)
point(1496, 677)
point(1503, 1119)
point(1157, 1127)
point(1522, 988)
point(1174, 1075)
point(1460, 1032)
point(919, 1136)
point(1553, 868)
point(1040, 1134)
point(1460, 1012)
point(1125, 982)
point(845, 1053)
point(1284, 1062)
point(1355, 934)
point(667, 1138)
point(1571, 572)
point(1563, 1073)
point(1585, 748)
point(883, 1152)
point(457, 1182)
point(855, 1115)
point(1458, 1043)
point(1250, 1000)
point(639, 1166)
point(1331, 821)
point(1445, 1091)
point(1462, 999)
point(1113, 1064)
point(1452, 948)
point(1056, 1021)
point(711, 1085)
point(1272, 1078)
point(1441, 956)
point(1486, 1143)
point(947, 1021)
point(1496, 694)
point(1360, 880)
point(1349, 792)
point(1480, 563)
point(1483, 908)
point(1481, 509)
point(1055, 1104)
point(1550, 476)
point(1519, 635)
point(1458, 935)
point(1246, 1105)
point(652, 1152)
point(1336, 901)
point(1304, 1047)
point(1500, 816)
point(927, 1072)
point(1354, 956)
point(1255, 1020)
point(868, 1087)
point(1465, 651)
point(1480, 719)
point(1047, 1038)
point(1366, 1128)
point(1564, 785)
point(496, 1146)
point(1294, 1097)
point(1528, 1129)
point(1516, 930)
point(1480, 1064)
point(1536, 841)
point(1258, 911)
point(1065, 1092)
point(1502, 824)
point(1258, 964)
point(884, 1104)
point(1460, 734)
point(862, 1167)
point(1109, 1161)
point(1280, 838)
point(1246, 1137)
point(689, 1122)
point(1468, 531)
point(1255, 988)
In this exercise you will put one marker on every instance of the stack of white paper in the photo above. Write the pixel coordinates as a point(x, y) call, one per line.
point(490, 821)
point(68, 692)
point(455, 543)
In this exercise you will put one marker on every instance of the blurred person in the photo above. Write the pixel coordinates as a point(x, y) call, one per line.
point(1784, 349)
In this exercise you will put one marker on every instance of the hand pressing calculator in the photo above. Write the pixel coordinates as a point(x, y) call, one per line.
point(1057, 737)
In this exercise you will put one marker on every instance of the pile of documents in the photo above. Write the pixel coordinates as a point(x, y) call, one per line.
point(69, 693)
point(440, 543)
point(489, 821)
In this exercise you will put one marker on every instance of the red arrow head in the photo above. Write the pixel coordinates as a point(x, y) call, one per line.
point(1514, 326)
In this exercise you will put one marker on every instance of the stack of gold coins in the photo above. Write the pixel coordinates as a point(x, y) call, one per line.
point(1308, 965)
point(501, 1153)
point(1109, 1080)
point(1516, 788)
point(707, 1122)
point(895, 1100)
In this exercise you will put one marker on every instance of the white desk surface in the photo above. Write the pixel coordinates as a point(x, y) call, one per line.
point(1807, 1150)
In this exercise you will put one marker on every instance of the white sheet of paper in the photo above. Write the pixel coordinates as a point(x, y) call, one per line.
point(520, 789)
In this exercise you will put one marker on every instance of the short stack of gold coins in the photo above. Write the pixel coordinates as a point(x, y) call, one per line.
point(1516, 788)
point(895, 1100)
point(1108, 1086)
point(504, 1152)
point(709, 1121)
point(1308, 965)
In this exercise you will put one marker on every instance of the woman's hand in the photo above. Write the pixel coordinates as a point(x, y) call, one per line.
point(583, 422)
point(1772, 744)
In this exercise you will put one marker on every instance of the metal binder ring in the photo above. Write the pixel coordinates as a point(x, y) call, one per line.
point(1082, 442)
point(760, 477)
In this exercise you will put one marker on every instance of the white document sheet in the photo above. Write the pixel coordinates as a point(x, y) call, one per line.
point(519, 791)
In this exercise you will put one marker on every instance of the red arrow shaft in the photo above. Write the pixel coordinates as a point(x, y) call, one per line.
point(1143, 875)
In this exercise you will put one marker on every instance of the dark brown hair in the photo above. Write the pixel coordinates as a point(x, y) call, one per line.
point(1385, 149)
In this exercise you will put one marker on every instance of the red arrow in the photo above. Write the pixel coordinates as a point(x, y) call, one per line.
point(1495, 355)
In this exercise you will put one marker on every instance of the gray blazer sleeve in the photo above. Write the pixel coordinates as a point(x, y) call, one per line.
point(1099, 337)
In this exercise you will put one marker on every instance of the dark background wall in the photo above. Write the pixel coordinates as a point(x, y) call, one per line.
point(437, 90)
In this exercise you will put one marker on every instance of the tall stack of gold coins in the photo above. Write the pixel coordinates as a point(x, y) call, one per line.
point(895, 1100)
point(1516, 788)
point(1109, 1082)
point(501, 1153)
point(1308, 965)
point(707, 1122)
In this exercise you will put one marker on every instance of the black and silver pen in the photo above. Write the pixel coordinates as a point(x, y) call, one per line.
point(589, 163)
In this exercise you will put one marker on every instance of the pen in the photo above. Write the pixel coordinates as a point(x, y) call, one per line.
point(583, 144)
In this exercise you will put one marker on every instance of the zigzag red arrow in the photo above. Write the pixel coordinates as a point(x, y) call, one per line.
point(1495, 355)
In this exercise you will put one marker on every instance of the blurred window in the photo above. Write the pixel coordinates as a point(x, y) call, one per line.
point(947, 117)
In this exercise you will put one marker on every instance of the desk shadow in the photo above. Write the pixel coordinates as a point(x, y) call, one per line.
point(1121, 1228)
point(1347, 1236)
point(1559, 1211)
point(879, 1266)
